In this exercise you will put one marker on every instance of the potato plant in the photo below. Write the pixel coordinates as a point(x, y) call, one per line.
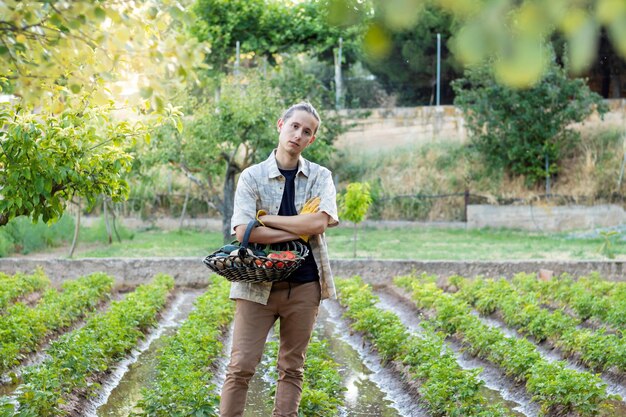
point(23, 328)
point(14, 286)
point(322, 388)
point(558, 390)
point(182, 384)
point(75, 360)
point(596, 349)
point(590, 297)
point(445, 388)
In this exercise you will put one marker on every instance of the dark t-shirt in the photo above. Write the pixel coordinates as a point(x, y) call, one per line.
point(307, 272)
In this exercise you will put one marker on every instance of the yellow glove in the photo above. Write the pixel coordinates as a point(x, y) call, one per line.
point(311, 206)
point(259, 214)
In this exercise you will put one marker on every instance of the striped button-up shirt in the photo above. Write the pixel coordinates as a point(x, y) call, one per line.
point(260, 187)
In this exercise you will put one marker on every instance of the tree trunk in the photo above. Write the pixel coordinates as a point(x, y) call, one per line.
point(229, 202)
point(616, 86)
point(184, 210)
point(76, 231)
point(106, 219)
point(114, 216)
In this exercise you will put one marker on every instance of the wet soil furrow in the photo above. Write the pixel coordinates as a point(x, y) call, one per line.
point(502, 388)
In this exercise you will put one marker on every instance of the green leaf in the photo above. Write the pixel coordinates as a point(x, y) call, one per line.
point(99, 13)
point(145, 92)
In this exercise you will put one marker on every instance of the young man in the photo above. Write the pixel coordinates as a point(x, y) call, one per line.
point(280, 186)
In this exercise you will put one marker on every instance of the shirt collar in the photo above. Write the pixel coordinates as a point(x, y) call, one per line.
point(273, 172)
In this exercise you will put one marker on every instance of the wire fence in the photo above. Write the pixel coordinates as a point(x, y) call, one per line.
point(450, 206)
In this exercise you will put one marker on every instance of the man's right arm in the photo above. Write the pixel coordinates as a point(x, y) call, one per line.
point(264, 235)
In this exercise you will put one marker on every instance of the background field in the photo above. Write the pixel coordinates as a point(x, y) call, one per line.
point(413, 241)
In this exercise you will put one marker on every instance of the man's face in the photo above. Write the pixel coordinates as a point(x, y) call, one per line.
point(297, 132)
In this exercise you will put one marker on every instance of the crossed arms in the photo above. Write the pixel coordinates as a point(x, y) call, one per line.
point(285, 228)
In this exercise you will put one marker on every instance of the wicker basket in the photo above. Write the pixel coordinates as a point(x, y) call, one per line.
point(250, 264)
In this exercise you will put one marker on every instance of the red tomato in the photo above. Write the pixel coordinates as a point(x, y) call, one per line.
point(283, 255)
point(288, 255)
point(268, 264)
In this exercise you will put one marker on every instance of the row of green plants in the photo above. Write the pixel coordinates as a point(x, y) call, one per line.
point(182, 385)
point(76, 359)
point(18, 285)
point(24, 328)
point(557, 389)
point(590, 297)
point(322, 388)
point(596, 349)
point(444, 387)
point(185, 365)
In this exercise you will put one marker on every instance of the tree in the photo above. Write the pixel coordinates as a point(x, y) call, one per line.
point(46, 162)
point(510, 36)
point(76, 71)
point(409, 67)
point(353, 205)
point(222, 138)
point(524, 131)
point(608, 71)
point(56, 54)
point(268, 29)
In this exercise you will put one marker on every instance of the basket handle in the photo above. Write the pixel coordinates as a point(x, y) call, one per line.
point(243, 249)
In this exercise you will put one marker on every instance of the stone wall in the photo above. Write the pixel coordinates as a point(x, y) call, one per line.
point(191, 272)
point(545, 217)
point(402, 126)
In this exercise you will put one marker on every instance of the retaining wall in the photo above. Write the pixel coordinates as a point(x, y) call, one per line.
point(545, 217)
point(387, 128)
point(192, 272)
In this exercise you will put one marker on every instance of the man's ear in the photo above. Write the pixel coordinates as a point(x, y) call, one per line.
point(312, 139)
point(279, 124)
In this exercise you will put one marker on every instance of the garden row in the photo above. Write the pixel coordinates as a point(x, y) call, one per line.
point(24, 328)
point(523, 311)
point(185, 371)
point(12, 287)
point(184, 383)
point(78, 361)
point(588, 298)
point(444, 387)
point(558, 389)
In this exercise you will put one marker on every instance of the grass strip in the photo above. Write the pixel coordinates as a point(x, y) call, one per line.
point(445, 388)
point(14, 286)
point(24, 328)
point(523, 312)
point(559, 391)
point(426, 243)
point(76, 358)
point(182, 385)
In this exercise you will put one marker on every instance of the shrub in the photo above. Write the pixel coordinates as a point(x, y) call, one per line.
point(524, 131)
point(23, 236)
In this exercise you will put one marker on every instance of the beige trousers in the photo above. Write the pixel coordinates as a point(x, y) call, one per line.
point(296, 307)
